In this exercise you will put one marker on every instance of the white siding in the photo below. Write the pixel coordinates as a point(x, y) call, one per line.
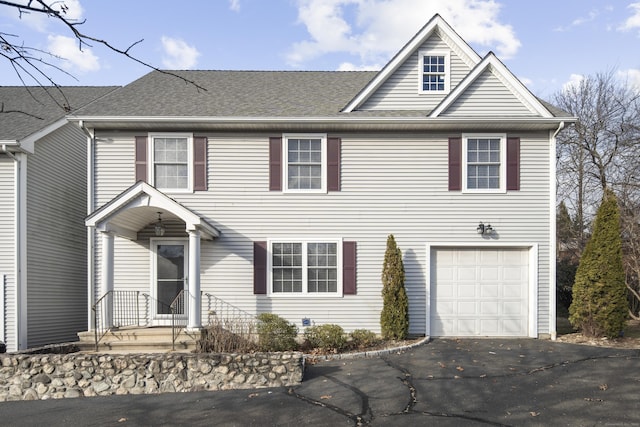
point(487, 96)
point(400, 91)
point(7, 247)
point(56, 238)
point(390, 184)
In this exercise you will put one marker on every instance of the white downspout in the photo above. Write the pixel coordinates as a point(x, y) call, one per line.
point(552, 234)
point(90, 230)
point(20, 329)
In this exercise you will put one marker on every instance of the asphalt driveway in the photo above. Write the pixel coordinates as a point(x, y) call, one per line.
point(443, 383)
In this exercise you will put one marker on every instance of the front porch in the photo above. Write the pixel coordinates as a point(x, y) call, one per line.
point(166, 289)
point(133, 330)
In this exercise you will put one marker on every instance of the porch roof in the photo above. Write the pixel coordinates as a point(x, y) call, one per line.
point(138, 206)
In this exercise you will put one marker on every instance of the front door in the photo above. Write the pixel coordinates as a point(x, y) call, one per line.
point(170, 269)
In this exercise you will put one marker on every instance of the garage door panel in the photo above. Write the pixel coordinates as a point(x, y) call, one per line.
point(468, 273)
point(489, 291)
point(479, 292)
point(465, 290)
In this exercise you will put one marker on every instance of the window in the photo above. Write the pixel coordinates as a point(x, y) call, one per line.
point(434, 71)
point(172, 161)
point(484, 158)
point(305, 162)
point(305, 268)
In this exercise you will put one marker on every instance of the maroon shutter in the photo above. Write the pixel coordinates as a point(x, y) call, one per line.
point(349, 268)
point(455, 164)
point(333, 164)
point(275, 164)
point(141, 158)
point(259, 267)
point(200, 163)
point(513, 163)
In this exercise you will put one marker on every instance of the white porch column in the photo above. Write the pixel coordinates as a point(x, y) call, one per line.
point(107, 278)
point(194, 304)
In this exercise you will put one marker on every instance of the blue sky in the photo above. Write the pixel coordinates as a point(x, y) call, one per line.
point(547, 44)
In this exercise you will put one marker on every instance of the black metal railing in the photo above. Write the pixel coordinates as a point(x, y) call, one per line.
point(178, 310)
point(117, 309)
point(226, 314)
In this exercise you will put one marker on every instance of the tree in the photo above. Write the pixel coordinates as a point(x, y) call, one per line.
point(394, 319)
point(600, 152)
point(599, 306)
point(36, 66)
point(569, 248)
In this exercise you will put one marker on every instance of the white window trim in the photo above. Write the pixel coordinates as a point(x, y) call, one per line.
point(447, 71)
point(305, 293)
point(285, 162)
point(503, 162)
point(151, 163)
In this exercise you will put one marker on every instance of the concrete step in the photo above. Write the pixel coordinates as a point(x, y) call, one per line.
point(153, 339)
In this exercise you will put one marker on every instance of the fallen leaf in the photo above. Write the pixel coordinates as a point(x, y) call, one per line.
point(460, 368)
point(483, 376)
point(456, 377)
point(603, 387)
point(122, 420)
point(534, 414)
point(325, 397)
point(252, 395)
point(442, 365)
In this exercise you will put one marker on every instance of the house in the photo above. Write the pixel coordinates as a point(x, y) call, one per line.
point(275, 192)
point(43, 279)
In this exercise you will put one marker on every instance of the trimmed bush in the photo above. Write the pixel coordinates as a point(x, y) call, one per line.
point(327, 337)
point(394, 319)
point(599, 306)
point(275, 333)
point(363, 338)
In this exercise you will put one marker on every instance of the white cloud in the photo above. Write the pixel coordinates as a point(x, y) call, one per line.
point(234, 5)
point(178, 55)
point(574, 82)
point(76, 60)
point(581, 20)
point(348, 66)
point(630, 77)
point(634, 20)
point(374, 29)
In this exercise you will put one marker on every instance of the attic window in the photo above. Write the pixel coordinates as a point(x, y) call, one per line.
point(434, 71)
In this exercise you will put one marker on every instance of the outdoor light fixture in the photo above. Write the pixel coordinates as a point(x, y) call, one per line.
point(159, 228)
point(484, 229)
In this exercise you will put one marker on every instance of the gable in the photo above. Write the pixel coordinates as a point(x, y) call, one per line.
point(488, 95)
point(435, 33)
point(400, 91)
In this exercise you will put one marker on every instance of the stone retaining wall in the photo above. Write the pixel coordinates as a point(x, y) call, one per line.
point(55, 376)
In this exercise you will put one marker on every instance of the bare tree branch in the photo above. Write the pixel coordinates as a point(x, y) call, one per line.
point(31, 63)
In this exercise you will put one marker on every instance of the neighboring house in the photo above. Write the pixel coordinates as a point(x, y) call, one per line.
point(276, 192)
point(43, 273)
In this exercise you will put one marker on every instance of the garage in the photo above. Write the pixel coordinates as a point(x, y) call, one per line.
point(479, 292)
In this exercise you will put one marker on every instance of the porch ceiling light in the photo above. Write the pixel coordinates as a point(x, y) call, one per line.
point(159, 227)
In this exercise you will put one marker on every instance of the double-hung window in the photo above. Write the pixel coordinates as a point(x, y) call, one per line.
point(484, 162)
point(305, 162)
point(305, 267)
point(171, 157)
point(434, 71)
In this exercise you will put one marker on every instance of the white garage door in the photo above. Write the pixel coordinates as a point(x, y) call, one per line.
point(479, 292)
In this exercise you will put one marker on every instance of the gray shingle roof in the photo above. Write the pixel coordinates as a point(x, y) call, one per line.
point(234, 94)
point(41, 109)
